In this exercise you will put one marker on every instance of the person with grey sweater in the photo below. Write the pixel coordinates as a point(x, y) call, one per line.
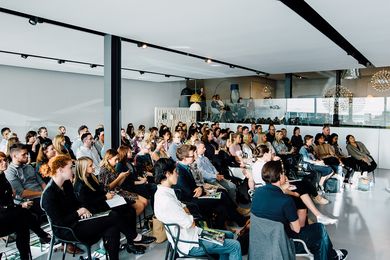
point(365, 162)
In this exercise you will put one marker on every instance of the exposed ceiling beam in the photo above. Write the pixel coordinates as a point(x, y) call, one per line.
point(304, 10)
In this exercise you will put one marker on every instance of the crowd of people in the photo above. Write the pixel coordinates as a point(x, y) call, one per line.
point(174, 171)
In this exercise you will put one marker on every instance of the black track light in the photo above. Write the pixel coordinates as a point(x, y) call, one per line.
point(93, 66)
point(61, 61)
point(232, 66)
point(35, 20)
point(24, 56)
point(208, 61)
point(142, 72)
point(142, 45)
point(167, 76)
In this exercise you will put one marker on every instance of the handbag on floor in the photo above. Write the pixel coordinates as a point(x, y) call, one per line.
point(158, 230)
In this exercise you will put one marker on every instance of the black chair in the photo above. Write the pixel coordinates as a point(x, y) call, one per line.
point(172, 250)
point(73, 240)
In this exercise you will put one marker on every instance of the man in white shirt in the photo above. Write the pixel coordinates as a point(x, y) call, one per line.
point(77, 142)
point(89, 150)
point(168, 209)
point(5, 135)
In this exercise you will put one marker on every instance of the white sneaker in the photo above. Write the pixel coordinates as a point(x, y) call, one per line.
point(326, 220)
point(341, 254)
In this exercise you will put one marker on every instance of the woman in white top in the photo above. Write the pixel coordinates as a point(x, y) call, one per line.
point(300, 191)
point(168, 209)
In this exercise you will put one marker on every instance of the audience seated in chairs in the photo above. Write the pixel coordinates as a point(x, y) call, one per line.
point(288, 156)
point(349, 162)
point(78, 142)
point(88, 149)
point(223, 208)
point(113, 180)
point(358, 150)
point(210, 173)
point(312, 164)
point(271, 203)
point(17, 218)
point(63, 209)
point(32, 145)
point(91, 195)
point(301, 190)
point(170, 210)
point(45, 153)
point(26, 183)
point(325, 152)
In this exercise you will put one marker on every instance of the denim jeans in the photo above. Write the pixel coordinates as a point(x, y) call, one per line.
point(231, 248)
point(317, 240)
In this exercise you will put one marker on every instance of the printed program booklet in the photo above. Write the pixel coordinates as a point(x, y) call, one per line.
point(213, 236)
point(216, 195)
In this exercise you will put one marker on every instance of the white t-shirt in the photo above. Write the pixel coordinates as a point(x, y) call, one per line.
point(256, 173)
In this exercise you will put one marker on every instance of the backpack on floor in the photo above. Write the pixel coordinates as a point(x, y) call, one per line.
point(332, 185)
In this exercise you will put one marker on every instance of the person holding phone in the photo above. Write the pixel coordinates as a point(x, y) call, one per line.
point(112, 181)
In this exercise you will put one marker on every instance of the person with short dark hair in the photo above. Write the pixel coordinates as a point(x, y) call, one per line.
point(190, 192)
point(89, 150)
point(78, 142)
point(5, 135)
point(169, 209)
point(296, 139)
point(26, 183)
point(271, 133)
point(17, 218)
point(32, 144)
point(271, 203)
point(43, 135)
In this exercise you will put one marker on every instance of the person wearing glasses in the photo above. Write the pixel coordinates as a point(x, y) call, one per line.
point(222, 208)
point(270, 202)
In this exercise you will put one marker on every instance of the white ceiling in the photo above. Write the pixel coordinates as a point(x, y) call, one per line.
point(261, 34)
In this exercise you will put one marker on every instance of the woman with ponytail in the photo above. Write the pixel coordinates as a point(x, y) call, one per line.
point(63, 209)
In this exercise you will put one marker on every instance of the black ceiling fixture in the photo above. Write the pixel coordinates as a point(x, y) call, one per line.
point(35, 20)
point(304, 10)
point(138, 43)
point(92, 65)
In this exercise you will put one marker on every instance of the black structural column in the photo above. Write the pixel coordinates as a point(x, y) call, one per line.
point(288, 85)
point(112, 91)
point(336, 120)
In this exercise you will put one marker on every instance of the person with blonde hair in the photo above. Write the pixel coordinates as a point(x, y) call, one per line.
point(59, 146)
point(92, 195)
point(112, 180)
point(63, 209)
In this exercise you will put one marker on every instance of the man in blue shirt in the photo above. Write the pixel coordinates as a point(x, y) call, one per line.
point(271, 203)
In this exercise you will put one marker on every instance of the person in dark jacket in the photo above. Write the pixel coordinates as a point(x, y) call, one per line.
point(223, 208)
point(17, 218)
point(90, 193)
point(63, 209)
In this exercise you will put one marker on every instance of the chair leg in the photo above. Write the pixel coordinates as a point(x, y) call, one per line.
point(89, 252)
point(51, 247)
point(64, 251)
point(168, 251)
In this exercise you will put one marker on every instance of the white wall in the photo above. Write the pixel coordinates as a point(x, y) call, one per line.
point(31, 98)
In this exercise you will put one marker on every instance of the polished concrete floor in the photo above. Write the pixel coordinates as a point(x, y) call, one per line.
point(363, 227)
